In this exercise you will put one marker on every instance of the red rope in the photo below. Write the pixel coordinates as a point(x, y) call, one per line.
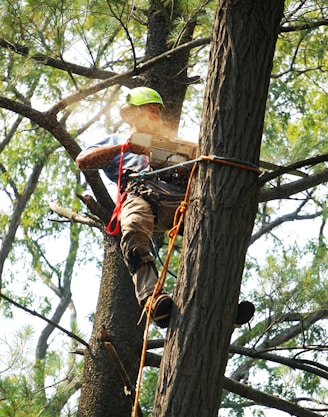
point(113, 226)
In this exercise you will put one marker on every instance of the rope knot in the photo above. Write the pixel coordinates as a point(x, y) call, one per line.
point(183, 207)
point(173, 232)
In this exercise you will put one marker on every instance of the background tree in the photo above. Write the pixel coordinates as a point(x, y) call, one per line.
point(38, 57)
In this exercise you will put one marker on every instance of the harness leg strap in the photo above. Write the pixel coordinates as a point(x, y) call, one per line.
point(139, 256)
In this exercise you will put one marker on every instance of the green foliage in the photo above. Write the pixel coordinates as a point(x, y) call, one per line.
point(290, 287)
point(22, 389)
point(297, 102)
point(148, 391)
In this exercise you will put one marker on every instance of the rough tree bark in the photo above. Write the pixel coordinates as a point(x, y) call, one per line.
point(222, 210)
point(171, 76)
point(102, 390)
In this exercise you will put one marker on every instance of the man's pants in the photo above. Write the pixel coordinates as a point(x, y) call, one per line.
point(137, 226)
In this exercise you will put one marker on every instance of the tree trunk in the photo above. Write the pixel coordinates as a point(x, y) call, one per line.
point(170, 77)
point(222, 210)
point(102, 392)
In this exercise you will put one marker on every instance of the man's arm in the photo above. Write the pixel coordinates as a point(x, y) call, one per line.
point(97, 157)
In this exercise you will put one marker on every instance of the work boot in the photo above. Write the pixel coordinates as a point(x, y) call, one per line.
point(245, 312)
point(160, 309)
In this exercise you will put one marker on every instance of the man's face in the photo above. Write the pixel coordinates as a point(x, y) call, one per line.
point(149, 118)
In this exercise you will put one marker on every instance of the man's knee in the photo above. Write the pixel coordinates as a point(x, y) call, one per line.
point(137, 257)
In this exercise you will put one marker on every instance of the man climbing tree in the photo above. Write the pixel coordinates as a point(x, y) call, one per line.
point(149, 187)
point(142, 206)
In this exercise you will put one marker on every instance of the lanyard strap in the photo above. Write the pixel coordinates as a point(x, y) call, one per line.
point(113, 226)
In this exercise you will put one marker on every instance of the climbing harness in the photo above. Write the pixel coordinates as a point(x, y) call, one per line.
point(113, 227)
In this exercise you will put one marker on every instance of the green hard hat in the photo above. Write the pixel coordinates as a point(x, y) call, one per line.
point(143, 95)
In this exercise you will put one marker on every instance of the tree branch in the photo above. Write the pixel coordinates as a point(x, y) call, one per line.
point(22, 200)
point(268, 227)
point(128, 387)
point(288, 169)
point(286, 190)
point(73, 215)
point(304, 365)
point(267, 400)
point(99, 74)
point(257, 396)
point(279, 339)
point(93, 73)
point(291, 362)
point(124, 78)
point(311, 24)
point(87, 72)
point(50, 123)
point(52, 323)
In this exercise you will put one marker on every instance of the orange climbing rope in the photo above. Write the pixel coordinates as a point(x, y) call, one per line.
point(172, 234)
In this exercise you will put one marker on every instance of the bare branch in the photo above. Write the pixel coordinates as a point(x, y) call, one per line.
point(52, 323)
point(73, 215)
point(310, 24)
point(286, 190)
point(267, 400)
point(304, 365)
point(289, 217)
point(307, 366)
point(129, 390)
point(87, 72)
point(128, 387)
point(281, 338)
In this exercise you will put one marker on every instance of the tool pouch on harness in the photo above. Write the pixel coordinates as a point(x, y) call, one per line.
point(164, 198)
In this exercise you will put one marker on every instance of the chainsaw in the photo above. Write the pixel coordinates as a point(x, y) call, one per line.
point(164, 151)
